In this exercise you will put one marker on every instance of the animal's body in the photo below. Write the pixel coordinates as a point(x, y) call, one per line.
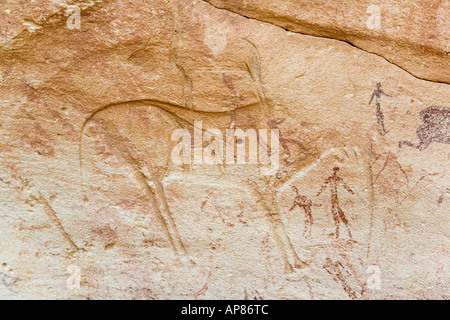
point(435, 128)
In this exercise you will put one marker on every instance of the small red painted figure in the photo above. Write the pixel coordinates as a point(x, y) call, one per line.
point(377, 93)
point(306, 204)
point(336, 211)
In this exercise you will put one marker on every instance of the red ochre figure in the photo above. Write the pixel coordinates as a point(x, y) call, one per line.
point(306, 204)
point(336, 211)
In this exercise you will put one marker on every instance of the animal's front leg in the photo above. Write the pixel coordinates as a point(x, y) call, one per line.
point(284, 242)
point(275, 223)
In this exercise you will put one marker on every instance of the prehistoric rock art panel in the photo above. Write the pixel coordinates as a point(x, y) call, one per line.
point(88, 181)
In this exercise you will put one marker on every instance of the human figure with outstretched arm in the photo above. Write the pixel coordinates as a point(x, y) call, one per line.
point(306, 204)
point(377, 93)
point(336, 211)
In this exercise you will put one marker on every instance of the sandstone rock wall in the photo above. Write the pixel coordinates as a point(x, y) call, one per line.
point(353, 205)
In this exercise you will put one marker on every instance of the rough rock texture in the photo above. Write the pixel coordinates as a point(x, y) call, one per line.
point(93, 204)
point(414, 35)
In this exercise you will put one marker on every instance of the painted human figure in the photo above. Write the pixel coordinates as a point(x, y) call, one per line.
point(377, 93)
point(306, 204)
point(338, 214)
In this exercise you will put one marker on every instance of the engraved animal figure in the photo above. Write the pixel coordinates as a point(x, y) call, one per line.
point(338, 214)
point(377, 93)
point(435, 128)
point(149, 164)
point(306, 204)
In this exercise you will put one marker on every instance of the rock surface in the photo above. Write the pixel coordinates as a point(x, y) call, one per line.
point(414, 35)
point(94, 204)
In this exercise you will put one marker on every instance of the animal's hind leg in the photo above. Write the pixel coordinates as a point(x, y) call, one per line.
point(274, 224)
point(280, 238)
point(130, 156)
point(283, 240)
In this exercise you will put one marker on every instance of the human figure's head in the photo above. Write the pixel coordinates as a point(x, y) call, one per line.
point(378, 86)
point(335, 169)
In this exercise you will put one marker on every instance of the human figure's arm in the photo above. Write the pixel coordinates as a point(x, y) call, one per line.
point(371, 98)
point(293, 206)
point(384, 93)
point(324, 186)
point(347, 187)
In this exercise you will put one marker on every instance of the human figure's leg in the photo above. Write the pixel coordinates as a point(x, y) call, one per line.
point(334, 213)
point(308, 221)
point(380, 120)
point(344, 220)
